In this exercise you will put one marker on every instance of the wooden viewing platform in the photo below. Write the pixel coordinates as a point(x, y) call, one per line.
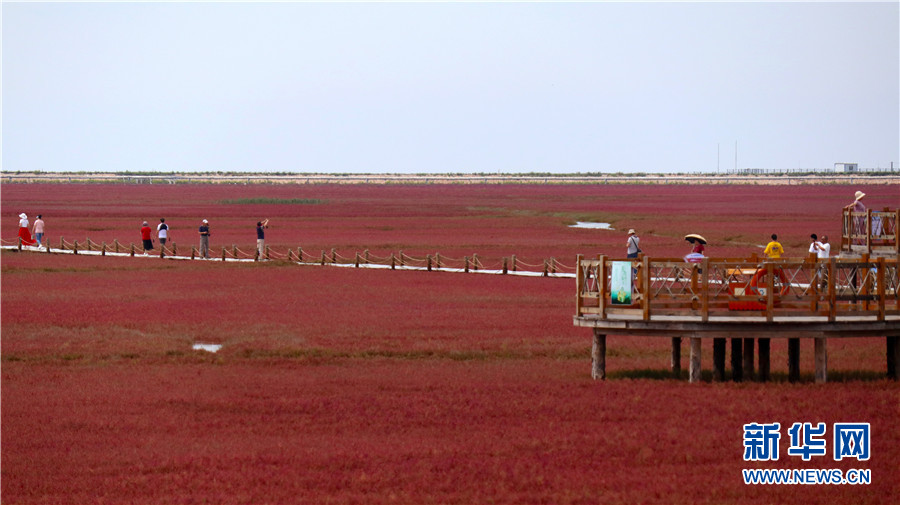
point(747, 301)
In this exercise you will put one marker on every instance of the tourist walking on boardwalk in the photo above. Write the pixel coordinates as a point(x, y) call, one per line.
point(146, 237)
point(24, 232)
point(204, 239)
point(261, 238)
point(773, 249)
point(162, 231)
point(634, 244)
point(39, 230)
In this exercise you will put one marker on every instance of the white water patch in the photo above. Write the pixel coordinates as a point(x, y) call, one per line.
point(592, 226)
point(207, 347)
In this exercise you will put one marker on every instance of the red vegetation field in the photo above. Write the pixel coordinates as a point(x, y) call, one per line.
point(372, 386)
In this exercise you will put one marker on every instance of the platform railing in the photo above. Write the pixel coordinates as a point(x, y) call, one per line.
point(827, 289)
point(870, 231)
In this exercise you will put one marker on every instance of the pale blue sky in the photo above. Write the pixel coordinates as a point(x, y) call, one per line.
point(449, 87)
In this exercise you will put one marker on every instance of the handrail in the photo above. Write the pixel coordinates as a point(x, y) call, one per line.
point(870, 230)
point(827, 288)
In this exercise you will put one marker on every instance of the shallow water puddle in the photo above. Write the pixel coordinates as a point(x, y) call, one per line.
point(207, 347)
point(592, 226)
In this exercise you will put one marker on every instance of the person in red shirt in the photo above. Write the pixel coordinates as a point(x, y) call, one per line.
point(146, 237)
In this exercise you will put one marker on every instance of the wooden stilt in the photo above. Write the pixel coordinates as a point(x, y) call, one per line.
point(718, 359)
point(694, 373)
point(821, 360)
point(737, 359)
point(676, 356)
point(598, 356)
point(764, 347)
point(748, 358)
point(893, 357)
point(793, 359)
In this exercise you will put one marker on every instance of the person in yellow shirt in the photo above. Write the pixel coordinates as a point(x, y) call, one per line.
point(773, 248)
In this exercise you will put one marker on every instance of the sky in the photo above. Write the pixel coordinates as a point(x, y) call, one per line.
point(449, 87)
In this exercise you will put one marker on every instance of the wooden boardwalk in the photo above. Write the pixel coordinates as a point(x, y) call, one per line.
point(747, 301)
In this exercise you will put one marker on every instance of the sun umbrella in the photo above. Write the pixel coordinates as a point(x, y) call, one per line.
point(694, 237)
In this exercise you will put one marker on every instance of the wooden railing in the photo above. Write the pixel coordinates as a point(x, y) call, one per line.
point(870, 231)
point(828, 289)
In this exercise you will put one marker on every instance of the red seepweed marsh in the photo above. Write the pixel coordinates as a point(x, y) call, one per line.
point(377, 386)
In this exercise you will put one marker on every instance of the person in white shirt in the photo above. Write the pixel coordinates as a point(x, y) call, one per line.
point(824, 248)
point(162, 230)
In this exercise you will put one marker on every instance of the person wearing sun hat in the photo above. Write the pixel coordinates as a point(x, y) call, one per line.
point(633, 244)
point(24, 232)
point(857, 223)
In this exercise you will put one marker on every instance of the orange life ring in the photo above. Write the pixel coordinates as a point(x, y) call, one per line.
point(761, 273)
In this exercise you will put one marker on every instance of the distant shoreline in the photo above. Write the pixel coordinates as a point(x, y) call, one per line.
point(280, 178)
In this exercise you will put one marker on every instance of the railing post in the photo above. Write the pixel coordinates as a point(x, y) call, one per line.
point(832, 290)
point(645, 288)
point(174, 249)
point(116, 242)
point(323, 257)
point(474, 262)
point(256, 254)
point(869, 231)
point(89, 246)
point(601, 285)
point(162, 251)
point(881, 288)
point(552, 265)
point(505, 266)
point(770, 292)
point(62, 244)
point(579, 284)
point(366, 256)
point(437, 257)
point(333, 256)
point(428, 259)
point(357, 259)
point(223, 253)
point(300, 255)
point(393, 261)
point(290, 255)
point(103, 249)
point(132, 250)
point(704, 287)
point(514, 263)
point(267, 252)
point(546, 269)
point(75, 247)
point(193, 252)
point(467, 264)
point(234, 251)
point(19, 243)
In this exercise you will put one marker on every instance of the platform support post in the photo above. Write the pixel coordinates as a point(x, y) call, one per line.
point(676, 356)
point(598, 356)
point(718, 359)
point(793, 359)
point(737, 359)
point(893, 357)
point(764, 347)
point(694, 374)
point(748, 358)
point(821, 360)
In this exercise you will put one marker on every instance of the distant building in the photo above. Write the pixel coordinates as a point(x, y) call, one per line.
point(846, 167)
